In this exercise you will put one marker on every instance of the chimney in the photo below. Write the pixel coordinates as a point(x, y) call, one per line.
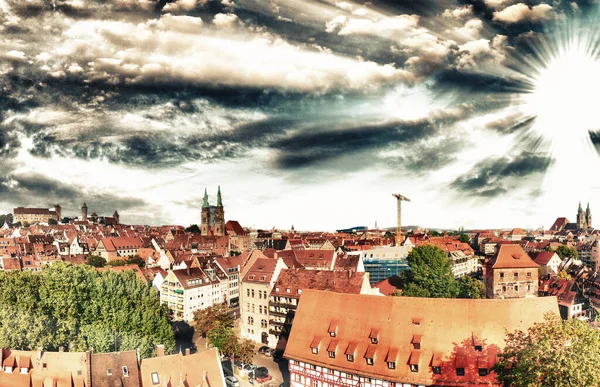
point(39, 354)
point(187, 352)
point(160, 350)
point(61, 349)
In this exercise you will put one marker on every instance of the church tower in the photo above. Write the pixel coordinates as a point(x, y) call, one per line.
point(219, 216)
point(205, 217)
point(84, 213)
point(588, 216)
point(581, 223)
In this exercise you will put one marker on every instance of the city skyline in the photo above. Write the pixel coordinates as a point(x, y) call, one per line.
point(306, 113)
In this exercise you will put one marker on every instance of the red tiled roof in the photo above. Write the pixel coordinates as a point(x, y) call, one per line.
point(544, 257)
point(511, 256)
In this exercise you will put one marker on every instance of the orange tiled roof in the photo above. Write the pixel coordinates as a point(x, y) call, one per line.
point(511, 256)
point(446, 331)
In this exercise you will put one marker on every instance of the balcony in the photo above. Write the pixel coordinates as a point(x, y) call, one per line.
point(278, 313)
point(277, 323)
point(283, 305)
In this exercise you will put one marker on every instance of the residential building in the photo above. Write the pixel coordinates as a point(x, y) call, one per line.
point(257, 281)
point(549, 262)
point(292, 282)
point(360, 340)
point(231, 266)
point(187, 290)
point(33, 215)
point(571, 303)
point(113, 248)
point(511, 273)
point(199, 369)
point(463, 264)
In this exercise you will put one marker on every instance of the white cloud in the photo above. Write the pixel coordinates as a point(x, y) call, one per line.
point(183, 5)
point(345, 6)
point(482, 54)
point(459, 13)
point(15, 55)
point(521, 11)
point(225, 20)
point(471, 28)
point(382, 27)
point(177, 48)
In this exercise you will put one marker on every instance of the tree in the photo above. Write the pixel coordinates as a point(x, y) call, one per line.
point(222, 337)
point(96, 261)
point(563, 252)
point(66, 220)
point(564, 275)
point(470, 287)
point(430, 274)
point(136, 260)
point(388, 235)
point(245, 350)
point(464, 238)
point(117, 262)
point(208, 318)
point(193, 229)
point(557, 353)
point(52, 222)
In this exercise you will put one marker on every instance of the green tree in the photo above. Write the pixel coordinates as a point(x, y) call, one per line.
point(464, 238)
point(208, 318)
point(470, 287)
point(430, 274)
point(222, 337)
point(563, 252)
point(193, 229)
point(564, 275)
point(52, 222)
point(245, 350)
point(388, 235)
point(96, 261)
point(117, 262)
point(136, 260)
point(558, 353)
point(66, 219)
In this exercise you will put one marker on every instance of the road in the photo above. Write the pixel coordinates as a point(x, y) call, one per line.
point(278, 370)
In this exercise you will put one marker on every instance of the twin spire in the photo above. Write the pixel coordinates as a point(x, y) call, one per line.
point(205, 203)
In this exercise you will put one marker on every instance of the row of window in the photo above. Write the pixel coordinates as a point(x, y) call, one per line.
point(262, 294)
point(516, 275)
point(261, 309)
point(263, 322)
point(437, 370)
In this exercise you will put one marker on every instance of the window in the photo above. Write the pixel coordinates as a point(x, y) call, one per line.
point(260, 309)
point(329, 371)
point(460, 371)
point(373, 340)
point(437, 370)
point(504, 288)
point(516, 288)
point(263, 323)
point(315, 383)
point(250, 320)
point(109, 371)
point(483, 371)
point(516, 275)
point(369, 361)
point(252, 293)
point(44, 366)
point(332, 333)
point(287, 290)
point(392, 384)
point(350, 357)
point(501, 275)
point(315, 350)
point(155, 378)
point(478, 348)
point(331, 354)
point(391, 365)
point(414, 368)
point(125, 371)
point(528, 274)
point(297, 377)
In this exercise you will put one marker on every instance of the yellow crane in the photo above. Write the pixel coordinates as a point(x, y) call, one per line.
point(399, 199)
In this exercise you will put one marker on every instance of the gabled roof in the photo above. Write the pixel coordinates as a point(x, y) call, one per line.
point(511, 256)
point(199, 369)
point(544, 257)
point(447, 331)
point(334, 281)
point(108, 369)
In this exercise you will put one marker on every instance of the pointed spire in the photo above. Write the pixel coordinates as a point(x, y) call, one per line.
point(588, 207)
point(579, 209)
point(205, 202)
point(219, 202)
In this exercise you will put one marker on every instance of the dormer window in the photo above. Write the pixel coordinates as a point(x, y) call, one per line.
point(369, 361)
point(332, 328)
point(416, 341)
point(155, 380)
point(391, 365)
point(109, 371)
point(370, 354)
point(331, 354)
point(437, 370)
point(314, 346)
point(414, 368)
point(287, 290)
point(277, 289)
point(125, 371)
point(374, 336)
point(416, 320)
point(331, 348)
point(350, 357)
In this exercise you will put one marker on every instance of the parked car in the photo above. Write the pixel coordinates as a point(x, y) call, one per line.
point(266, 351)
point(231, 381)
point(260, 372)
point(265, 378)
point(262, 349)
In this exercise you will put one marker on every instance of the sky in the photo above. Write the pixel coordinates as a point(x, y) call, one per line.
point(309, 113)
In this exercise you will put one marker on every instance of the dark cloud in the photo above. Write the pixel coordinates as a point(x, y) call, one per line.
point(469, 82)
point(490, 177)
point(421, 158)
point(37, 190)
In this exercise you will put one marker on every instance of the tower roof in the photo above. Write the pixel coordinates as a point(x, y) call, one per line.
point(588, 207)
point(579, 209)
point(219, 202)
point(205, 202)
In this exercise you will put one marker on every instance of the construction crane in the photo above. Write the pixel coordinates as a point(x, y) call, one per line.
point(399, 199)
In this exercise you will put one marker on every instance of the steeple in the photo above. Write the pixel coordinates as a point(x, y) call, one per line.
point(579, 209)
point(587, 210)
point(219, 202)
point(205, 202)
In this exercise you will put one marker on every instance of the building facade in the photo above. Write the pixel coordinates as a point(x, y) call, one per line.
point(511, 273)
point(32, 215)
point(584, 219)
point(384, 262)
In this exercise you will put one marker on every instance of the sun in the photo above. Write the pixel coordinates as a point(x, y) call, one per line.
point(564, 97)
